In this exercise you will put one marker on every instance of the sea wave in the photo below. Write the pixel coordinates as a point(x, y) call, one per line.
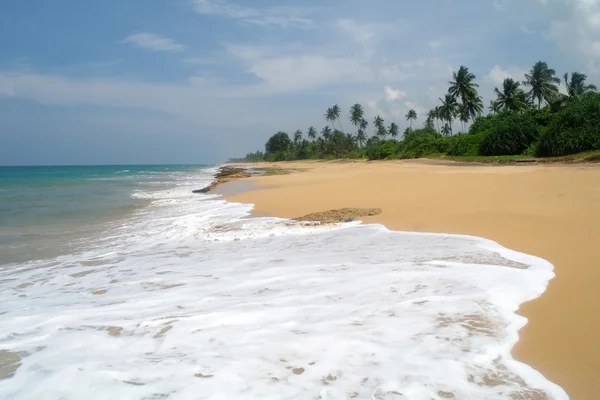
point(190, 297)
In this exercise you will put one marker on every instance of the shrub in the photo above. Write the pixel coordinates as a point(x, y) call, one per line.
point(510, 134)
point(483, 124)
point(421, 142)
point(574, 129)
point(465, 145)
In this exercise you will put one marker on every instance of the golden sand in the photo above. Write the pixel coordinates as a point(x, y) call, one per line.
point(551, 211)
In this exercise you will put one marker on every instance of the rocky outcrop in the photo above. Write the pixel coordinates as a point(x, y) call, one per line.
point(225, 174)
point(339, 215)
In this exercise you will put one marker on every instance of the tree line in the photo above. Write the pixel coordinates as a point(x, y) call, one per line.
point(524, 109)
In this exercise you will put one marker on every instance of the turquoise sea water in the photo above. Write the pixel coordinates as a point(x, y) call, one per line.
point(43, 210)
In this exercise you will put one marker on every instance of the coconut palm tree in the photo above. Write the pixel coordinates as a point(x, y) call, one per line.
point(577, 85)
point(462, 112)
point(364, 124)
point(312, 133)
point(543, 83)
point(447, 129)
point(330, 116)
point(361, 137)
point(394, 130)
point(512, 97)
point(447, 111)
point(462, 85)
point(437, 117)
point(356, 114)
point(297, 137)
point(494, 107)
point(380, 127)
point(430, 117)
point(336, 113)
point(410, 116)
point(326, 133)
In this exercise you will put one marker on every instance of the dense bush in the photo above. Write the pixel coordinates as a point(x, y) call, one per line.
point(510, 134)
point(278, 143)
point(574, 129)
point(483, 124)
point(465, 145)
point(421, 142)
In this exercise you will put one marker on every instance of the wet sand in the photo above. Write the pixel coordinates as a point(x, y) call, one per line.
point(551, 211)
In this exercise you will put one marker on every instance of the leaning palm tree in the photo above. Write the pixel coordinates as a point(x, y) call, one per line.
point(410, 116)
point(577, 86)
point(312, 133)
point(326, 133)
point(336, 113)
point(447, 111)
point(356, 114)
point(511, 97)
point(543, 83)
point(330, 116)
point(394, 130)
point(380, 127)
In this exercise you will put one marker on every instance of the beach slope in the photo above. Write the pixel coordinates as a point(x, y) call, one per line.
point(550, 211)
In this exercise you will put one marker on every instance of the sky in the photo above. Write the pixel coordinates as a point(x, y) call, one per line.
point(199, 81)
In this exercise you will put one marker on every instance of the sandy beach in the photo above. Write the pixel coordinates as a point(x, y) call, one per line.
point(550, 211)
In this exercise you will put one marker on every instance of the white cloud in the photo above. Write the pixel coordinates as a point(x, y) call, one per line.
point(282, 17)
point(153, 42)
point(392, 95)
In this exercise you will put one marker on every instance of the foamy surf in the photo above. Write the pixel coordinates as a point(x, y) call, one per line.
point(191, 299)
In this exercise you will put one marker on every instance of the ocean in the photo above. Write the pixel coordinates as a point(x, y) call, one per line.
point(117, 282)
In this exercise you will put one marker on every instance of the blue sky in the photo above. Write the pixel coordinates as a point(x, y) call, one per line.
point(197, 81)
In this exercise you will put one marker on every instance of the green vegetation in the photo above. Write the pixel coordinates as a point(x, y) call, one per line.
point(527, 119)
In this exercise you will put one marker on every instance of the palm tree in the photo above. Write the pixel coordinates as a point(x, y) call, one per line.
point(577, 87)
point(326, 133)
point(394, 130)
point(410, 116)
point(447, 111)
point(473, 107)
point(380, 127)
point(462, 85)
point(430, 117)
point(312, 133)
point(361, 137)
point(543, 83)
point(330, 116)
point(463, 115)
point(494, 107)
point(437, 117)
point(356, 114)
point(298, 136)
point(511, 98)
point(336, 113)
point(447, 129)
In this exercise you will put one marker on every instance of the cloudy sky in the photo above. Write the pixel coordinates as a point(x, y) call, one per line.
point(198, 81)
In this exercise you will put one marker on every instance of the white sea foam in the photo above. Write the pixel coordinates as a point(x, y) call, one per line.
point(190, 299)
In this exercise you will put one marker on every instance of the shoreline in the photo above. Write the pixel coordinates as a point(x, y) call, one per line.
point(545, 210)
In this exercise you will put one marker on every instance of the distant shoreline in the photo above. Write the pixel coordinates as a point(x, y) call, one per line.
point(541, 209)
